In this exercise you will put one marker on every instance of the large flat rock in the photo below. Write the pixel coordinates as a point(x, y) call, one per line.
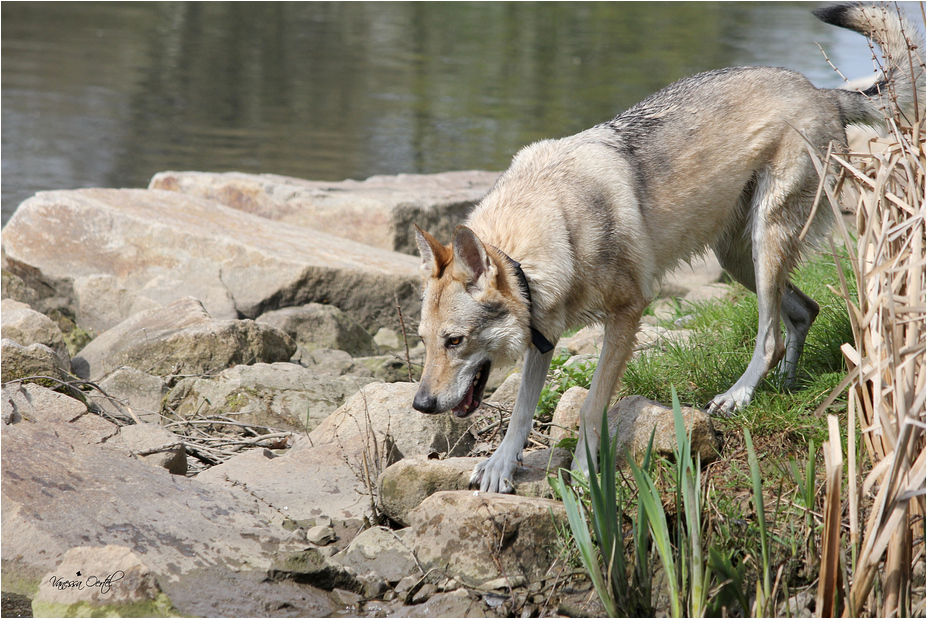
point(308, 482)
point(476, 537)
point(66, 486)
point(378, 211)
point(181, 338)
point(166, 245)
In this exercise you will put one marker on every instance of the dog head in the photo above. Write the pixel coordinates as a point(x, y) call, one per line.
point(472, 315)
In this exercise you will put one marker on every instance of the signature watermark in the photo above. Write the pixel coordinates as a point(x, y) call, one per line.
point(105, 584)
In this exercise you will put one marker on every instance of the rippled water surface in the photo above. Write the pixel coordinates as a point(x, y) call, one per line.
point(107, 94)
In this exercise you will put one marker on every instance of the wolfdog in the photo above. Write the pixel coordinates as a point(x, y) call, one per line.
point(579, 230)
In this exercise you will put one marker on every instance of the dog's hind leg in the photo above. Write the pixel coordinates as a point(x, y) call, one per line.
point(798, 309)
point(774, 245)
point(495, 474)
point(798, 313)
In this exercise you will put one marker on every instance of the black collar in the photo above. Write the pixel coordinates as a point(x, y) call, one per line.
point(537, 338)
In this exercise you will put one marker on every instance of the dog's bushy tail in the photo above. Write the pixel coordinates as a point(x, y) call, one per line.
point(901, 85)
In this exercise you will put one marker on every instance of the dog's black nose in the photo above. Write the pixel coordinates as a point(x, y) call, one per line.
point(425, 402)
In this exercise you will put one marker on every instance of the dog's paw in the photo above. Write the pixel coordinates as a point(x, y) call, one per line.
point(726, 404)
point(496, 473)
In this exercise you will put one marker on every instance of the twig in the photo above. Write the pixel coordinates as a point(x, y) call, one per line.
point(405, 340)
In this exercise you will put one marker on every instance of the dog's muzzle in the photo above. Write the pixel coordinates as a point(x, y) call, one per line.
point(425, 402)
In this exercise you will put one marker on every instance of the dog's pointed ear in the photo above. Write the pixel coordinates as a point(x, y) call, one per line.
point(435, 256)
point(471, 257)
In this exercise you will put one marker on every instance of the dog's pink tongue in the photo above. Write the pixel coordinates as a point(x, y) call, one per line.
point(463, 409)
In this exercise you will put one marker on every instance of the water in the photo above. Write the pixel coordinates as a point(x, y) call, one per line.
point(108, 94)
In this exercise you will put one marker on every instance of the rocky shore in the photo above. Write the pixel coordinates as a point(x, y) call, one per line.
point(206, 403)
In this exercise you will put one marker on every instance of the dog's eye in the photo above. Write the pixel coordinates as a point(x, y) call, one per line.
point(453, 342)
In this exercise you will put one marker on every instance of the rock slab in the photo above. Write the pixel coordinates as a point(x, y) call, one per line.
point(634, 418)
point(181, 338)
point(278, 395)
point(378, 211)
point(385, 410)
point(164, 245)
point(477, 537)
point(407, 483)
point(65, 486)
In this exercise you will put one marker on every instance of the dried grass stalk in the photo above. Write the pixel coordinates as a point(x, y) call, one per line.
point(829, 578)
point(887, 392)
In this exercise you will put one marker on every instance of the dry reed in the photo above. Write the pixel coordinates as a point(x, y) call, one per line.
point(886, 367)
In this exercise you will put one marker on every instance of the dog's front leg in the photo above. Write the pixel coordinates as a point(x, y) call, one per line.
point(495, 474)
point(620, 333)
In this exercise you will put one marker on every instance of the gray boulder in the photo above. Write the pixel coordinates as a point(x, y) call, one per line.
point(24, 325)
point(379, 211)
point(385, 412)
point(181, 338)
point(127, 393)
point(315, 326)
point(165, 246)
point(280, 395)
point(634, 418)
point(308, 482)
point(404, 485)
point(36, 360)
point(65, 485)
point(381, 551)
point(477, 537)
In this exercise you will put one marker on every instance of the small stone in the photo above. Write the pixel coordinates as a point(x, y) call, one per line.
point(424, 593)
point(374, 586)
point(347, 598)
point(407, 583)
point(379, 551)
point(505, 582)
point(633, 419)
point(504, 396)
point(566, 416)
point(448, 584)
point(321, 535)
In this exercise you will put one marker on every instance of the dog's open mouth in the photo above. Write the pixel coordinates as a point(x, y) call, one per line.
point(474, 396)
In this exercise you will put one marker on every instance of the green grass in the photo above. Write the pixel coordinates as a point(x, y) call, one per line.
point(560, 378)
point(723, 332)
point(721, 343)
point(731, 530)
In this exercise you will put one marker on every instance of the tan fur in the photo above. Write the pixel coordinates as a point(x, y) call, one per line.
point(717, 161)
